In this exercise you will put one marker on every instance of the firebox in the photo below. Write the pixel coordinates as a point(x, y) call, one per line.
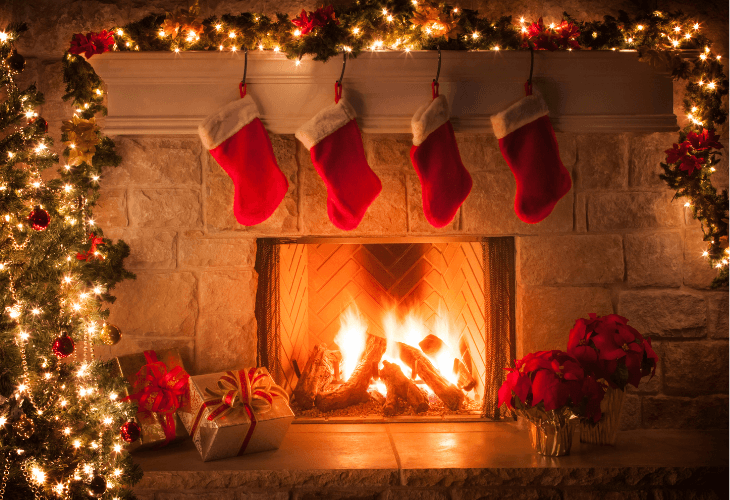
point(373, 329)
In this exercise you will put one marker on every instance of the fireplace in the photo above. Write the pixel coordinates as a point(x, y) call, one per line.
point(343, 323)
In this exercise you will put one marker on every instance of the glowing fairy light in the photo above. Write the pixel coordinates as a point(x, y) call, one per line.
point(640, 27)
point(277, 49)
point(703, 56)
point(261, 46)
point(37, 475)
point(176, 50)
point(675, 43)
point(677, 29)
point(522, 20)
point(218, 27)
point(113, 396)
point(117, 448)
point(347, 49)
point(232, 34)
point(705, 253)
point(297, 32)
point(475, 35)
point(711, 85)
point(496, 47)
point(297, 62)
point(389, 19)
point(120, 32)
point(696, 26)
point(67, 431)
point(220, 47)
point(3, 37)
point(161, 33)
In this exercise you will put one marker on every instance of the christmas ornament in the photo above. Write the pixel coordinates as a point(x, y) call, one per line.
point(130, 431)
point(93, 252)
point(39, 219)
point(16, 61)
point(445, 183)
point(24, 427)
point(81, 139)
point(335, 145)
point(528, 144)
point(110, 334)
point(182, 20)
point(97, 486)
point(435, 22)
point(239, 143)
point(91, 43)
point(63, 346)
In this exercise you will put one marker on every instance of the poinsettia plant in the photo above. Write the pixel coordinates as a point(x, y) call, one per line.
point(317, 19)
point(563, 36)
point(91, 43)
point(610, 349)
point(695, 151)
point(551, 385)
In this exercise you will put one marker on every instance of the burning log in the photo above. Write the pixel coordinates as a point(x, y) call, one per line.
point(399, 386)
point(451, 395)
point(322, 368)
point(355, 390)
point(431, 345)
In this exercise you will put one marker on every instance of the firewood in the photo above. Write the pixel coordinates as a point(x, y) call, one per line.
point(335, 359)
point(317, 373)
point(451, 395)
point(355, 389)
point(431, 345)
point(399, 386)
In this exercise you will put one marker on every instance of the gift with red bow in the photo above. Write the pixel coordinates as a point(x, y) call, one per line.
point(236, 412)
point(159, 385)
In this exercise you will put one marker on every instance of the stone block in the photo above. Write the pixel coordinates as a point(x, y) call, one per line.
point(480, 152)
point(219, 195)
point(386, 215)
point(603, 161)
point(334, 494)
point(489, 209)
point(609, 211)
point(225, 342)
point(654, 259)
point(417, 222)
point(646, 151)
point(148, 248)
point(111, 209)
point(669, 412)
point(573, 260)
point(160, 305)
point(664, 313)
point(413, 494)
point(568, 146)
point(692, 368)
point(630, 412)
point(147, 161)
point(228, 292)
point(166, 208)
point(207, 494)
point(197, 250)
point(586, 494)
point(130, 345)
point(717, 315)
point(548, 313)
point(265, 494)
point(697, 271)
point(388, 151)
point(581, 216)
point(505, 494)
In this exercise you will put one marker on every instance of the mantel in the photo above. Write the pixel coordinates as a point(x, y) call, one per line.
point(167, 93)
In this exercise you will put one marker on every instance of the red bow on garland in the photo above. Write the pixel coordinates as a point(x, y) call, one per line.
point(160, 391)
point(91, 43)
point(91, 254)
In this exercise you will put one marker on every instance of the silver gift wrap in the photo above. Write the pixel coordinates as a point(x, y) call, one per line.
point(224, 436)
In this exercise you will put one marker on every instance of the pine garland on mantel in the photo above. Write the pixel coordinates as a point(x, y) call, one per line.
point(664, 40)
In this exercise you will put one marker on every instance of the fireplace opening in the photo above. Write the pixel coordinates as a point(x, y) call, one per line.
point(368, 330)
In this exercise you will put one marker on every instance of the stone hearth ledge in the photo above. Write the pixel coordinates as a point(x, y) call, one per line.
point(442, 461)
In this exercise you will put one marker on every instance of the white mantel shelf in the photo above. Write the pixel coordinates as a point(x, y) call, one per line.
point(167, 93)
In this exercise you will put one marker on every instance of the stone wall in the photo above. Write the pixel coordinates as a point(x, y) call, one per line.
point(615, 243)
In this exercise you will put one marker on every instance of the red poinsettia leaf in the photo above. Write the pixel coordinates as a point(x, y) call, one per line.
point(505, 395)
point(545, 389)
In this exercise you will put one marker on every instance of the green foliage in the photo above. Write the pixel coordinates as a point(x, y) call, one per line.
point(47, 291)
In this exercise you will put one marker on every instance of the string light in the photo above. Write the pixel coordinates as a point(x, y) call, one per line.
point(640, 27)
point(475, 35)
point(3, 37)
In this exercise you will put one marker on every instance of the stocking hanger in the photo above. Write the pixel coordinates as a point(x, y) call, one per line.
point(242, 85)
point(528, 85)
point(338, 83)
point(435, 83)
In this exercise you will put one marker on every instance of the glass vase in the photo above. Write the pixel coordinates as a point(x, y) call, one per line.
point(552, 439)
point(606, 430)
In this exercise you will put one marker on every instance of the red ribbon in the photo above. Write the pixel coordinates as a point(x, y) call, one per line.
point(338, 92)
point(528, 87)
point(160, 391)
point(91, 254)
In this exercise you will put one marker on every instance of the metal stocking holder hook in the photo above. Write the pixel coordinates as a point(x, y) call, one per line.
point(338, 83)
point(528, 84)
point(242, 85)
point(435, 83)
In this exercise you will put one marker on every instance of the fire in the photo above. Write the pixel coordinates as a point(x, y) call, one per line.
point(351, 339)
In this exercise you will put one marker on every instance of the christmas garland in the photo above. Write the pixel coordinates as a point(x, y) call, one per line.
point(664, 40)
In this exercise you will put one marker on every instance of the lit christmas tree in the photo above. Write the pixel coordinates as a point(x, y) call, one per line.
point(62, 419)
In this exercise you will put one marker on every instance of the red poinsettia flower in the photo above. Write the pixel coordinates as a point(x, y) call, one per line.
point(704, 140)
point(317, 19)
point(563, 36)
point(516, 383)
point(690, 164)
point(677, 152)
point(91, 43)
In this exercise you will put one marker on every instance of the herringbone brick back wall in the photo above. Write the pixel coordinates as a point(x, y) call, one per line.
point(293, 305)
point(428, 279)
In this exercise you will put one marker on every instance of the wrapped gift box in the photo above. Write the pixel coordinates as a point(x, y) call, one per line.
point(240, 430)
point(151, 423)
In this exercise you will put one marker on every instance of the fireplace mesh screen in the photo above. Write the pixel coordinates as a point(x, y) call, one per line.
point(288, 325)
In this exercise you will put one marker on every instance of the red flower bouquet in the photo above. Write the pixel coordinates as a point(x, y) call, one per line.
point(91, 43)
point(551, 381)
point(609, 348)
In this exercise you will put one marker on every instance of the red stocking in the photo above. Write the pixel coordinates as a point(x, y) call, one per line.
point(445, 183)
point(528, 143)
point(335, 145)
point(239, 143)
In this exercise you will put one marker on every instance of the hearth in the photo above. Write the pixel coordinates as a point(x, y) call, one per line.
point(378, 329)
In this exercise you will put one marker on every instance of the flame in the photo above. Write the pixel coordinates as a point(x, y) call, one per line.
point(351, 339)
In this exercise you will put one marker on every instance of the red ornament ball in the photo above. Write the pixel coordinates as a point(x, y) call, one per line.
point(39, 219)
point(63, 346)
point(130, 431)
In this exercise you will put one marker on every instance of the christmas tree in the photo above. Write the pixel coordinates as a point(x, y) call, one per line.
point(61, 411)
